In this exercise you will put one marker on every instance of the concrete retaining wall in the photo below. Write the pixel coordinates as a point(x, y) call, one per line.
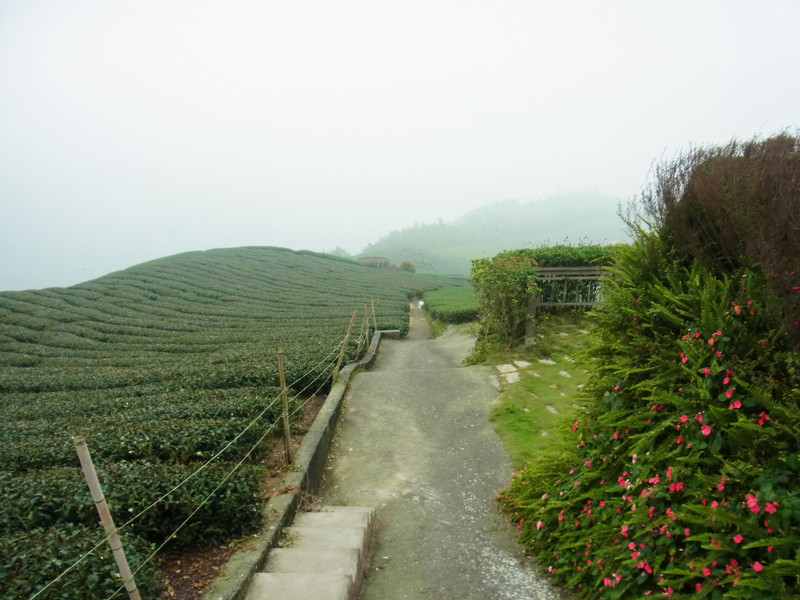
point(304, 478)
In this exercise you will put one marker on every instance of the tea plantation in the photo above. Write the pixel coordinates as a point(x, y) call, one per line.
point(162, 367)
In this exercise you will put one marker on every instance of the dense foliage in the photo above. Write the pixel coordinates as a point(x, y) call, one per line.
point(160, 367)
point(455, 304)
point(734, 206)
point(681, 478)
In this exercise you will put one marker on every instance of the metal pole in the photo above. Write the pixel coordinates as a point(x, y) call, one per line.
point(105, 517)
point(287, 434)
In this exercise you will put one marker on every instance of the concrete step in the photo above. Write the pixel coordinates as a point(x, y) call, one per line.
point(323, 557)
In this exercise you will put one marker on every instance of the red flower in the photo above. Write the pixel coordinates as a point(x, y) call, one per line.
point(752, 503)
point(758, 567)
point(738, 538)
point(705, 429)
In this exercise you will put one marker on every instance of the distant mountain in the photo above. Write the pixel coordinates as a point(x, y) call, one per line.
point(505, 225)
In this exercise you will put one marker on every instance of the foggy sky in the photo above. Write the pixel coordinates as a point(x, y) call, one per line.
point(135, 130)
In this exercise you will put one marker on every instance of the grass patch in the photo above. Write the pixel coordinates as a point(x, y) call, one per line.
point(531, 414)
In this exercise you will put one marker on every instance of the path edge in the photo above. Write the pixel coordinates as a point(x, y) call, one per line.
point(303, 478)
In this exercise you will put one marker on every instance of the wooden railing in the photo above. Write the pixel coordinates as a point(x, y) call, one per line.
point(563, 287)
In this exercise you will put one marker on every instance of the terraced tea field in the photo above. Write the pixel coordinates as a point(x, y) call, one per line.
point(161, 367)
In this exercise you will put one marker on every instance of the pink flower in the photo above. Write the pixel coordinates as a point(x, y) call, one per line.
point(729, 392)
point(706, 430)
point(679, 440)
point(721, 485)
point(738, 538)
point(758, 567)
point(706, 572)
point(645, 566)
point(734, 404)
point(625, 530)
point(752, 503)
point(770, 507)
point(539, 525)
point(684, 418)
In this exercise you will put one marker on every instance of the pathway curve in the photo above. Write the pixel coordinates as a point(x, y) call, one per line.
point(416, 443)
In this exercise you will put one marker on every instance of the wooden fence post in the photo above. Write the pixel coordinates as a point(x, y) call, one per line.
point(344, 346)
point(374, 317)
point(287, 434)
point(105, 517)
point(365, 325)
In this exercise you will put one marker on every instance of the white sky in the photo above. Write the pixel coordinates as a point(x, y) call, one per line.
point(131, 130)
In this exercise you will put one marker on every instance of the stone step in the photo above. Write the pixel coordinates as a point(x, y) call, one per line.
point(323, 557)
point(299, 586)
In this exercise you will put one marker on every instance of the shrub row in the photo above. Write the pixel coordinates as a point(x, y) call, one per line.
point(452, 304)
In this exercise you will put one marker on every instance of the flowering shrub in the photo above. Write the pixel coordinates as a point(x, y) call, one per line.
point(681, 479)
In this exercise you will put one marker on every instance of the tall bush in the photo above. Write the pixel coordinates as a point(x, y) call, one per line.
point(503, 284)
point(737, 206)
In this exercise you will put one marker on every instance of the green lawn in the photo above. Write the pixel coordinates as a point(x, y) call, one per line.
point(530, 413)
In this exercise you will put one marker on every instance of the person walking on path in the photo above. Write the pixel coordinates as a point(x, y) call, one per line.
point(415, 442)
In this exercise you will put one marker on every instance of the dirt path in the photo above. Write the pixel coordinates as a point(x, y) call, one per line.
point(416, 443)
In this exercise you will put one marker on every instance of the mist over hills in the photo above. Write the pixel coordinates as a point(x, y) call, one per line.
point(575, 218)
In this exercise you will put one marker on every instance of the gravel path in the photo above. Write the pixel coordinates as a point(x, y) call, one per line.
point(415, 442)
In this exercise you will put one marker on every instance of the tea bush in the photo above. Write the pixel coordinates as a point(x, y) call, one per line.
point(55, 549)
point(452, 304)
point(160, 367)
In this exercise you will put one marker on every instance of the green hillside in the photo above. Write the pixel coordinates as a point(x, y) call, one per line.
point(506, 225)
point(161, 366)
